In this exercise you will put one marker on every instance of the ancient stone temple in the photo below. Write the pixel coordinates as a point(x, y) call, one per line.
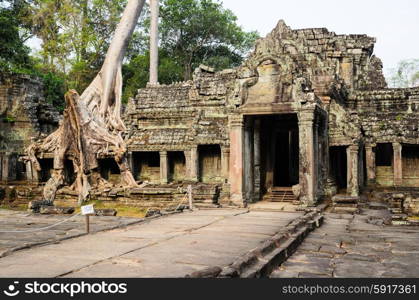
point(307, 116)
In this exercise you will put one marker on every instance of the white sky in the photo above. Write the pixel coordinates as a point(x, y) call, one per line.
point(395, 23)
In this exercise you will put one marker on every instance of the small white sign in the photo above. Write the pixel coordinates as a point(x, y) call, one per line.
point(87, 210)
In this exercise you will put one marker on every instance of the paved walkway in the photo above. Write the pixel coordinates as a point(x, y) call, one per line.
point(347, 246)
point(11, 221)
point(172, 246)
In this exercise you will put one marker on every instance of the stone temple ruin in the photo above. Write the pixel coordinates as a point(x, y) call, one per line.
point(306, 117)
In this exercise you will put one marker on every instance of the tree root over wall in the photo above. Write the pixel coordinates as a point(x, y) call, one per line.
point(92, 127)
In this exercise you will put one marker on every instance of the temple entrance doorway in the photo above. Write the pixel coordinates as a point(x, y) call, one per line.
point(271, 157)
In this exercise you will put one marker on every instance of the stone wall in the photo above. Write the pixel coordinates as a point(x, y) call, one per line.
point(24, 115)
point(388, 115)
point(179, 116)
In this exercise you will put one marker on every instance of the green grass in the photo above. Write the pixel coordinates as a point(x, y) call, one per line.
point(123, 210)
point(16, 207)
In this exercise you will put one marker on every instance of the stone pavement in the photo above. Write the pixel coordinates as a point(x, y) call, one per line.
point(172, 246)
point(21, 221)
point(348, 246)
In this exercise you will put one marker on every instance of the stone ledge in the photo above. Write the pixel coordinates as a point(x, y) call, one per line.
point(260, 261)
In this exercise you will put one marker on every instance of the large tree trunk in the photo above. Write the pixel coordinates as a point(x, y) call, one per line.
point(92, 126)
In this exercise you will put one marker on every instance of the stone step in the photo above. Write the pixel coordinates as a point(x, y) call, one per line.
point(348, 210)
point(281, 189)
point(377, 206)
point(345, 199)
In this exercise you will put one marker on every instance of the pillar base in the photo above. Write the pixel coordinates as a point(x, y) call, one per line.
point(238, 200)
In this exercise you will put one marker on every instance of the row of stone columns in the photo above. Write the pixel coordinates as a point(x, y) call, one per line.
point(191, 162)
point(8, 168)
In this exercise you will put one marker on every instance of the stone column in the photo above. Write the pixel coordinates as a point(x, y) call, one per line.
point(352, 158)
point(5, 168)
point(397, 164)
point(225, 157)
point(164, 168)
point(1, 167)
point(317, 155)
point(307, 165)
point(257, 160)
point(192, 164)
point(29, 176)
point(248, 160)
point(326, 156)
point(370, 162)
point(130, 160)
point(236, 160)
point(154, 41)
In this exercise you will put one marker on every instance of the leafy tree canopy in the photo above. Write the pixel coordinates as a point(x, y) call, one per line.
point(202, 31)
point(14, 55)
point(405, 75)
point(75, 36)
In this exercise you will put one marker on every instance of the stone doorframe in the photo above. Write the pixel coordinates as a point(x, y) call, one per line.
point(313, 156)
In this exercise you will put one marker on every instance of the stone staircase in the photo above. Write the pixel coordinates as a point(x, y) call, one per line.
point(345, 204)
point(280, 194)
point(206, 195)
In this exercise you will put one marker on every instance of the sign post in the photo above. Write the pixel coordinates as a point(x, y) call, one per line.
point(190, 197)
point(87, 210)
point(87, 224)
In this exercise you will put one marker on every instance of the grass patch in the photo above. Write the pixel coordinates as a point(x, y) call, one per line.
point(123, 210)
point(15, 207)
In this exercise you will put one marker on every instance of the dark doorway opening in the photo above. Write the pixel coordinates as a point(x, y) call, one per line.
point(279, 151)
point(47, 164)
point(339, 166)
point(384, 164)
point(364, 167)
point(286, 166)
point(146, 166)
point(20, 171)
point(69, 174)
point(384, 155)
point(109, 169)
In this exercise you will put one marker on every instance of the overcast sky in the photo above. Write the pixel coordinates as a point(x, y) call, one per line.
point(395, 23)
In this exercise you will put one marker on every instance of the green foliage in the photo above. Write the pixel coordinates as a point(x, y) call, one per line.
point(14, 55)
point(54, 89)
point(75, 36)
point(136, 72)
point(9, 119)
point(405, 75)
point(197, 31)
